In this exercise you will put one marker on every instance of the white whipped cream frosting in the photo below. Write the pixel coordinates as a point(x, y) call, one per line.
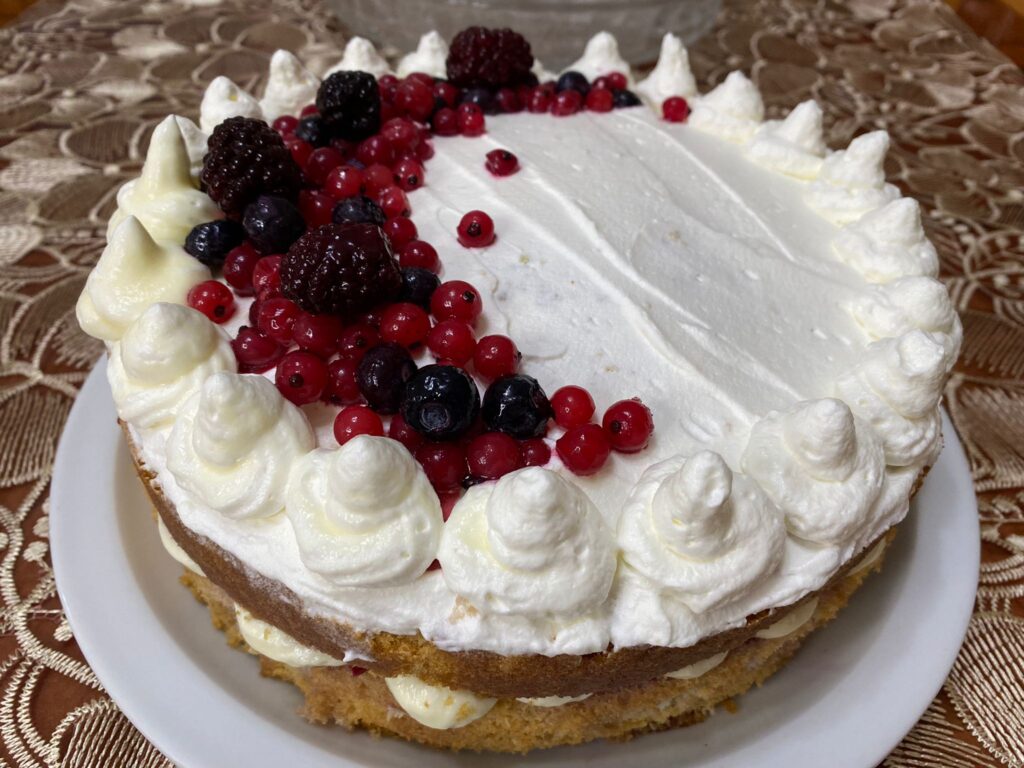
point(888, 243)
point(600, 57)
point(698, 668)
point(794, 146)
point(365, 514)
point(133, 272)
point(233, 444)
point(700, 533)
point(268, 640)
point(162, 359)
point(361, 55)
point(224, 99)
point(852, 181)
point(436, 706)
point(430, 57)
point(733, 110)
point(195, 139)
point(290, 87)
point(531, 544)
point(671, 76)
point(906, 304)
point(165, 197)
point(820, 465)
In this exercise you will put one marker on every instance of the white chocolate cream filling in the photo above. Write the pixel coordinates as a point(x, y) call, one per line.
point(698, 668)
point(277, 645)
point(436, 706)
point(791, 622)
point(174, 549)
point(549, 702)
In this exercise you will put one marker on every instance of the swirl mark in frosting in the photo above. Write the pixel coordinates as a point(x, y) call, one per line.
point(852, 181)
point(671, 76)
point(531, 544)
point(732, 111)
point(430, 57)
point(888, 243)
point(364, 515)
point(700, 533)
point(361, 55)
point(224, 99)
point(821, 466)
point(600, 57)
point(794, 146)
point(234, 443)
point(290, 87)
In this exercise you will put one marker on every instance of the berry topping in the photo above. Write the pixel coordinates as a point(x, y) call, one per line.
point(600, 100)
point(626, 98)
point(211, 241)
point(445, 122)
point(447, 93)
point(358, 210)
point(456, 300)
point(316, 207)
point(273, 224)
point(356, 340)
point(441, 402)
point(629, 425)
point(471, 119)
point(317, 333)
point(344, 181)
point(238, 268)
point(340, 269)
point(415, 98)
point(312, 132)
point(444, 464)
point(501, 162)
point(566, 103)
point(301, 377)
point(349, 105)
point(246, 158)
point(404, 323)
point(675, 109)
point(583, 449)
point(573, 406)
point(321, 162)
point(255, 351)
point(403, 134)
point(276, 317)
point(493, 455)
point(535, 452)
point(393, 202)
point(482, 98)
point(341, 386)
point(508, 100)
point(489, 57)
point(375, 149)
point(377, 177)
point(355, 420)
point(382, 374)
point(496, 356)
point(213, 299)
point(299, 150)
point(516, 405)
point(540, 100)
point(452, 340)
point(476, 230)
point(399, 430)
point(417, 253)
point(266, 277)
point(285, 125)
point(400, 230)
point(418, 285)
point(573, 81)
point(409, 174)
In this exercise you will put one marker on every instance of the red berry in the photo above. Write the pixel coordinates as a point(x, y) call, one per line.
point(393, 202)
point(213, 299)
point(600, 100)
point(354, 420)
point(446, 92)
point(301, 377)
point(616, 81)
point(501, 162)
point(299, 149)
point(342, 387)
point(583, 449)
point(321, 162)
point(377, 177)
point(347, 149)
point(540, 100)
point(405, 324)
point(400, 430)
point(375, 149)
point(355, 340)
point(344, 181)
point(255, 351)
point(573, 406)
point(309, 109)
point(496, 356)
point(286, 125)
point(417, 253)
point(443, 463)
point(400, 231)
point(388, 111)
point(266, 276)
point(452, 340)
point(316, 207)
point(456, 300)
point(387, 85)
point(415, 98)
point(508, 100)
point(421, 77)
point(408, 174)
point(471, 120)
point(317, 333)
point(424, 151)
point(567, 102)
point(445, 122)
point(401, 133)
point(535, 452)
point(629, 425)
point(238, 267)
point(476, 230)
point(276, 317)
point(370, 317)
point(493, 455)
point(675, 109)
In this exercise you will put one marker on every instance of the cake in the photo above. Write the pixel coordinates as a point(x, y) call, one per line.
point(655, 419)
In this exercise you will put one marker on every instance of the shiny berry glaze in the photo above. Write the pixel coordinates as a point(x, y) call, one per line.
point(583, 449)
point(255, 351)
point(501, 162)
point(493, 455)
point(266, 276)
point(456, 300)
point(535, 452)
point(238, 268)
point(301, 377)
point(573, 406)
point(213, 299)
point(675, 109)
point(342, 388)
point(417, 253)
point(344, 181)
point(629, 425)
point(476, 230)
point(354, 420)
point(276, 317)
point(496, 356)
point(405, 324)
point(452, 340)
point(444, 464)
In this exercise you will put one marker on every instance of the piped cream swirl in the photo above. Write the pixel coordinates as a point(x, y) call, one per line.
point(671, 76)
point(430, 57)
point(910, 303)
point(223, 99)
point(888, 243)
point(794, 146)
point(732, 111)
point(852, 181)
point(290, 87)
point(361, 55)
point(600, 57)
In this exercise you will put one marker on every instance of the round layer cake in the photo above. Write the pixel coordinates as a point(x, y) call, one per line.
point(332, 335)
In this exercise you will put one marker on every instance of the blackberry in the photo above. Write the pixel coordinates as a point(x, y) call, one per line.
point(340, 269)
point(516, 405)
point(382, 374)
point(358, 210)
point(312, 131)
point(349, 104)
point(491, 58)
point(418, 285)
point(573, 81)
point(246, 158)
point(625, 98)
point(210, 242)
point(273, 224)
point(441, 402)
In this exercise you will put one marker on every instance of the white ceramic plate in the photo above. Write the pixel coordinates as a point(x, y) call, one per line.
point(846, 700)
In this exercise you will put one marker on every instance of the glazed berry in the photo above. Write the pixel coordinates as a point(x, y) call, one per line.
point(625, 98)
point(355, 420)
point(501, 162)
point(399, 430)
point(402, 134)
point(493, 455)
point(317, 333)
point(344, 181)
point(572, 406)
point(540, 100)
point(358, 210)
point(266, 277)
point(273, 224)
point(211, 241)
point(382, 375)
point(255, 351)
point(316, 207)
point(404, 323)
point(535, 452)
point(600, 100)
point(349, 105)
point(301, 377)
point(480, 98)
point(299, 150)
point(629, 425)
point(356, 339)
point(583, 449)
point(276, 317)
point(375, 149)
point(445, 122)
point(408, 174)
point(452, 340)
point(566, 103)
point(496, 356)
point(507, 100)
point(285, 124)
point(418, 286)
point(246, 158)
point(309, 109)
point(213, 299)
point(342, 387)
point(675, 109)
point(444, 464)
point(415, 98)
point(417, 253)
point(446, 93)
point(489, 57)
point(377, 177)
point(573, 81)
point(393, 202)
point(517, 406)
point(471, 120)
point(321, 162)
point(238, 268)
point(441, 402)
point(387, 85)
point(456, 300)
point(617, 81)
point(400, 230)
point(311, 130)
point(476, 230)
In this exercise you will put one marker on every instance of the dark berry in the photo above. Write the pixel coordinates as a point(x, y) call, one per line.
point(493, 455)
point(311, 130)
point(211, 241)
point(356, 340)
point(625, 98)
point(441, 402)
point(404, 323)
point(516, 405)
point(246, 158)
point(452, 340)
point(301, 377)
point(572, 406)
point(418, 285)
point(255, 351)
point(675, 109)
point(492, 58)
point(456, 300)
point(382, 375)
point(358, 210)
point(501, 162)
point(238, 268)
point(535, 452)
point(629, 425)
point(273, 224)
point(476, 230)
point(573, 81)
point(349, 104)
point(496, 356)
point(417, 253)
point(444, 464)
point(583, 449)
point(446, 93)
point(342, 387)
point(213, 299)
point(355, 420)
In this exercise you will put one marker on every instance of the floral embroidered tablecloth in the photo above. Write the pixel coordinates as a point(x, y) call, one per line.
point(83, 82)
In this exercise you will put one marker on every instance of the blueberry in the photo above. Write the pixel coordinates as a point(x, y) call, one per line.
point(441, 402)
point(516, 405)
point(418, 285)
point(573, 81)
point(358, 210)
point(382, 374)
point(210, 242)
point(482, 97)
point(625, 98)
point(273, 224)
point(311, 130)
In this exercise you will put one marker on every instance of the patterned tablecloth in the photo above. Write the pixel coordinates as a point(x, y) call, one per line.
point(83, 82)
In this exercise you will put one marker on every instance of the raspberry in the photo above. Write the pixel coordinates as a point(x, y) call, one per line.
point(340, 269)
point(247, 158)
point(349, 105)
point(489, 57)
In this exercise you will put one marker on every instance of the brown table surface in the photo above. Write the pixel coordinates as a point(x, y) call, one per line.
point(82, 83)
